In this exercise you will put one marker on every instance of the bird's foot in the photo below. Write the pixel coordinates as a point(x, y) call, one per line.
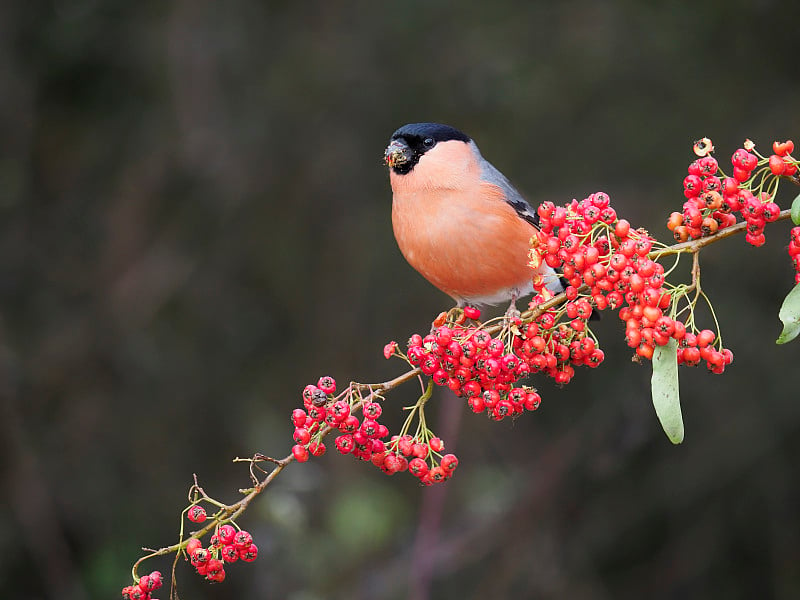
point(512, 312)
point(513, 318)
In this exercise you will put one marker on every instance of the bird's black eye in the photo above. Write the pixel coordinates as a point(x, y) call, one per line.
point(429, 142)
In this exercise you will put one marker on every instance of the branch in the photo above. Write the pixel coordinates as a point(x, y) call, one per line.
point(358, 395)
point(233, 511)
point(695, 245)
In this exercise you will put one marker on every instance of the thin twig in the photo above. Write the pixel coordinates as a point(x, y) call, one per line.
point(695, 245)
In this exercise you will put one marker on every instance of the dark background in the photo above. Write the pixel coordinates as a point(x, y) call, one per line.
point(195, 223)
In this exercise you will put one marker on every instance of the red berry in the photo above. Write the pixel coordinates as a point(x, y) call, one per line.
point(216, 576)
point(472, 313)
point(771, 212)
point(301, 436)
point(199, 557)
point(299, 417)
point(691, 356)
point(242, 539)
point(229, 553)
point(317, 448)
point(546, 210)
point(308, 393)
point(476, 404)
point(559, 216)
point(783, 148)
point(489, 398)
point(369, 427)
point(776, 165)
point(756, 240)
point(608, 215)
point(344, 443)
point(692, 185)
point(192, 545)
point(327, 384)
point(420, 450)
point(300, 453)
point(196, 514)
point(495, 347)
point(350, 424)
point(151, 582)
point(418, 467)
point(389, 349)
point(134, 592)
point(744, 159)
point(492, 367)
point(471, 388)
point(708, 166)
point(226, 533)
point(532, 401)
point(438, 473)
point(740, 174)
point(705, 338)
point(249, 554)
point(215, 570)
point(405, 445)
point(443, 335)
point(372, 410)
point(449, 463)
point(727, 355)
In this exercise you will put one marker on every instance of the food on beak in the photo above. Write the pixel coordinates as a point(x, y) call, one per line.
point(397, 153)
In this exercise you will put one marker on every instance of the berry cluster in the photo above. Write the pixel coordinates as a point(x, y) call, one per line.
point(794, 252)
point(781, 162)
point(476, 366)
point(319, 410)
point(227, 545)
point(365, 438)
point(713, 200)
point(143, 589)
point(419, 457)
point(602, 254)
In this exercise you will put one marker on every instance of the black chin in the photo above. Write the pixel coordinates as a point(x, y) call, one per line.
point(405, 168)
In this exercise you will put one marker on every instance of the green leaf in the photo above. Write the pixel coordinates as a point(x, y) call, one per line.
point(789, 314)
point(795, 212)
point(664, 384)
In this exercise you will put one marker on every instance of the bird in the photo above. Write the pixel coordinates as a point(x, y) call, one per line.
point(458, 220)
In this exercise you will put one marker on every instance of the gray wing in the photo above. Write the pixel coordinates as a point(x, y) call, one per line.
point(513, 197)
point(490, 173)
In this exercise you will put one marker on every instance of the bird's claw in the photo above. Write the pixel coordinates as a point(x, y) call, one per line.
point(513, 314)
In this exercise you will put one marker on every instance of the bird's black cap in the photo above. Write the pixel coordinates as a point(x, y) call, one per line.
point(436, 131)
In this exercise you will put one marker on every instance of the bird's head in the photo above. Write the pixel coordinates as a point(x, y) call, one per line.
point(410, 143)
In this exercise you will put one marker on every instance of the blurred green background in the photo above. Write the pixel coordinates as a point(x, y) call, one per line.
point(195, 223)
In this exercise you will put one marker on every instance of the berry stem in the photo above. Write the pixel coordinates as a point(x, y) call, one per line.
point(695, 245)
point(418, 408)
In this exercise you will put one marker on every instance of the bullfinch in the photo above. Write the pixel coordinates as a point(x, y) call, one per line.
point(458, 220)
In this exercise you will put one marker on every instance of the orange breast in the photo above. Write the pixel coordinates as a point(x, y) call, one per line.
point(461, 235)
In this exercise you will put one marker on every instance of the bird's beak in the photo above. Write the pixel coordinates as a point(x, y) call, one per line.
point(397, 154)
